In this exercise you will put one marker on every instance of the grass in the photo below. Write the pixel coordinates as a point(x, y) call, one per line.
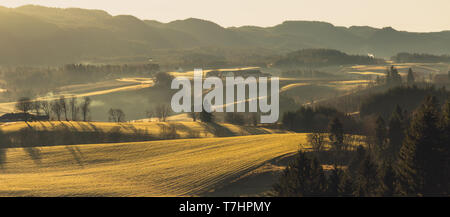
point(155, 129)
point(184, 167)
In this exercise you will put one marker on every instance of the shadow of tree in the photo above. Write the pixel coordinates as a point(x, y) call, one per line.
point(34, 154)
point(254, 130)
point(167, 131)
point(3, 157)
point(76, 154)
point(218, 130)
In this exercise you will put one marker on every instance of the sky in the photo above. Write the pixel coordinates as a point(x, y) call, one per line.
point(408, 15)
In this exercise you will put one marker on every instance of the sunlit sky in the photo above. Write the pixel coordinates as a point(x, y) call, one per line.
point(409, 15)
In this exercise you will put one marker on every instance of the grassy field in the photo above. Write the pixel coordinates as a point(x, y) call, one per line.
point(184, 167)
point(186, 129)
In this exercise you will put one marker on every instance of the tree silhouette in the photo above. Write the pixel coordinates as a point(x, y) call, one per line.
point(336, 134)
point(410, 78)
point(85, 107)
point(303, 177)
point(395, 133)
point(420, 159)
point(24, 104)
point(380, 133)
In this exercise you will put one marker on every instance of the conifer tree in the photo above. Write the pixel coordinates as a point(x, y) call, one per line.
point(445, 128)
point(410, 78)
point(205, 116)
point(393, 77)
point(334, 182)
point(388, 179)
point(395, 133)
point(336, 134)
point(420, 161)
point(357, 160)
point(380, 133)
point(303, 177)
point(367, 179)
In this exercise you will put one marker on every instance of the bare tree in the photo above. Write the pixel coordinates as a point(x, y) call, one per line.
point(85, 107)
point(45, 105)
point(24, 104)
point(37, 107)
point(63, 104)
point(317, 141)
point(116, 115)
point(194, 115)
point(56, 109)
point(150, 114)
point(74, 109)
point(162, 112)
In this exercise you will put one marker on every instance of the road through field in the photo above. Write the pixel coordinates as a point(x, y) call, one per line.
point(187, 167)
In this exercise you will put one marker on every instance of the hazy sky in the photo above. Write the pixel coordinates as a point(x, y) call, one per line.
point(410, 15)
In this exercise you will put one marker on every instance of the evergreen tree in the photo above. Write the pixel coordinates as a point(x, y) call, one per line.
point(303, 177)
point(420, 161)
point(445, 128)
point(410, 78)
point(346, 185)
point(367, 179)
point(336, 134)
point(393, 77)
point(334, 182)
point(339, 183)
point(395, 133)
point(380, 133)
point(357, 159)
point(206, 117)
point(387, 187)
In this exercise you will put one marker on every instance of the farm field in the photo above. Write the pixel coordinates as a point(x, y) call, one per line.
point(183, 129)
point(185, 167)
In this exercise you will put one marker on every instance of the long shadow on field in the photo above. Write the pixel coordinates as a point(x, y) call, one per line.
point(168, 131)
point(76, 154)
point(34, 154)
point(2, 157)
point(218, 130)
point(96, 129)
point(83, 126)
point(129, 127)
point(191, 133)
point(42, 125)
point(255, 130)
point(255, 181)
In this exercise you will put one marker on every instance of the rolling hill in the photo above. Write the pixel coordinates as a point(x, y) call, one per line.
point(187, 167)
point(40, 35)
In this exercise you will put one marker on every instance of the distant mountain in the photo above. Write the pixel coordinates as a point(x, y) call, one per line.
point(41, 35)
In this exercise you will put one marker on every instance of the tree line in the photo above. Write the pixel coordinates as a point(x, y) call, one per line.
point(408, 156)
point(323, 57)
point(35, 81)
point(58, 109)
point(420, 58)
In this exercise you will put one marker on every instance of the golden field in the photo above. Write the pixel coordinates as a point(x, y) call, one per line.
point(183, 167)
point(184, 129)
